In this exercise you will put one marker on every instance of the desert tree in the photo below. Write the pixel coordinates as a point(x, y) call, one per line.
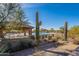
point(7, 12)
point(10, 12)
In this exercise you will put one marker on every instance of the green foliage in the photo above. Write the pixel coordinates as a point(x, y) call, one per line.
point(7, 13)
point(19, 44)
point(74, 32)
point(3, 48)
point(11, 17)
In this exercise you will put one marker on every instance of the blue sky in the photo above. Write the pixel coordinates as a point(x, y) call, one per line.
point(53, 15)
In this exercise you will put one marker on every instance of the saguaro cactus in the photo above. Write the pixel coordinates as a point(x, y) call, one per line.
point(65, 31)
point(37, 29)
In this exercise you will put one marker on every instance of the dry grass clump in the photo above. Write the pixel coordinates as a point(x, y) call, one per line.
point(60, 42)
point(76, 40)
point(69, 47)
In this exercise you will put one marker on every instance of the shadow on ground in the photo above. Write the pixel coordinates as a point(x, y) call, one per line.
point(30, 51)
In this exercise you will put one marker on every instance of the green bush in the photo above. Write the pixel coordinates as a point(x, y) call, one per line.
point(20, 44)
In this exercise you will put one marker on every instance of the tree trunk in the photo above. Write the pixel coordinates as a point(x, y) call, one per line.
point(1, 33)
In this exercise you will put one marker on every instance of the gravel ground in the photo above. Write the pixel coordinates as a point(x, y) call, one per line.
point(49, 49)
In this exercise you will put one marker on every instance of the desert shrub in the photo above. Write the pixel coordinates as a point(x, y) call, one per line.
point(60, 42)
point(73, 33)
point(18, 45)
point(59, 37)
point(32, 37)
point(9, 47)
point(54, 39)
point(6, 47)
point(76, 40)
point(49, 37)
